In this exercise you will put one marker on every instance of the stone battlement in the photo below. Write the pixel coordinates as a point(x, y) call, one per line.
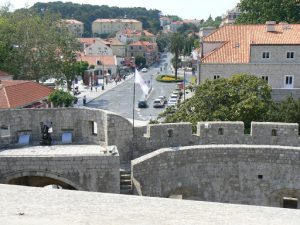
point(92, 126)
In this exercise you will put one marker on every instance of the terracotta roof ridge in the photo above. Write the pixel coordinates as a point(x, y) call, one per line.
point(18, 83)
point(216, 49)
point(8, 104)
point(217, 30)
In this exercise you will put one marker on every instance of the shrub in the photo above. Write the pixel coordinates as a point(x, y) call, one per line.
point(61, 98)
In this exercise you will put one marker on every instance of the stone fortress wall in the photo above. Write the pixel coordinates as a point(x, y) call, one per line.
point(219, 162)
point(86, 172)
point(113, 129)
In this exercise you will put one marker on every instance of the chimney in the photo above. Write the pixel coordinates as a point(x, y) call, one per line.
point(270, 26)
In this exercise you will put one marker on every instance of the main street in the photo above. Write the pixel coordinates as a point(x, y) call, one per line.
point(120, 99)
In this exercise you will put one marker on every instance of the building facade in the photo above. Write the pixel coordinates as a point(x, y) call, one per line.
point(75, 27)
point(96, 46)
point(129, 36)
point(108, 26)
point(146, 49)
point(231, 16)
point(270, 51)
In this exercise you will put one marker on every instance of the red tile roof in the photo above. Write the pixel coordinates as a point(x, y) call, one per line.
point(19, 93)
point(92, 41)
point(92, 59)
point(236, 41)
point(130, 32)
point(148, 46)
point(117, 20)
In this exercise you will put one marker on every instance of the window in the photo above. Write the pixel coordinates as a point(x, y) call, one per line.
point(220, 131)
point(265, 78)
point(274, 132)
point(93, 127)
point(266, 55)
point(170, 132)
point(260, 176)
point(289, 81)
point(4, 131)
point(131, 47)
point(291, 203)
point(290, 55)
point(216, 77)
point(140, 47)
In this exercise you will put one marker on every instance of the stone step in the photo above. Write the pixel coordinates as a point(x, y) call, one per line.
point(127, 182)
point(126, 192)
point(125, 187)
point(125, 176)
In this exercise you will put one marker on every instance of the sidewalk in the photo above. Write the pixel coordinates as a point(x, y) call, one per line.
point(95, 93)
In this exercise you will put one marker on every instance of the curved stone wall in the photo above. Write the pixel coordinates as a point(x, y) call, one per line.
point(244, 174)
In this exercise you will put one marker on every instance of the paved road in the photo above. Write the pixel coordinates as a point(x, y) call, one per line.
point(120, 99)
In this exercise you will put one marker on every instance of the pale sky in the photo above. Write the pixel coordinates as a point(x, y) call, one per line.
point(186, 9)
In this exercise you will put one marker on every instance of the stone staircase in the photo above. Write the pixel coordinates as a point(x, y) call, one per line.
point(125, 182)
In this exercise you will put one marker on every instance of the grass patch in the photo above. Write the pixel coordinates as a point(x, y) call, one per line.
point(169, 78)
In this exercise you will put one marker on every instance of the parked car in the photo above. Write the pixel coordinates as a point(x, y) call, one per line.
point(174, 96)
point(144, 70)
point(143, 104)
point(158, 103)
point(172, 102)
point(164, 98)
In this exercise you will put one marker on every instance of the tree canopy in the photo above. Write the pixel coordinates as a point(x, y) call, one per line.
point(176, 47)
point(37, 47)
point(88, 13)
point(239, 98)
point(260, 11)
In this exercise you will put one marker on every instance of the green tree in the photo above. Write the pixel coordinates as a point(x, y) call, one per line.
point(140, 61)
point(260, 11)
point(287, 111)
point(61, 98)
point(176, 47)
point(239, 98)
point(88, 13)
point(163, 41)
point(30, 42)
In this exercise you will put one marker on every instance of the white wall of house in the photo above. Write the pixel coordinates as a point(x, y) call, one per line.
point(277, 54)
point(98, 48)
point(276, 72)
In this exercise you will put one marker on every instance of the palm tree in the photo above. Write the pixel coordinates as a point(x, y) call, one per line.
point(177, 45)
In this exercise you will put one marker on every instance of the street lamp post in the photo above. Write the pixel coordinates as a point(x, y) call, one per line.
point(103, 75)
point(184, 83)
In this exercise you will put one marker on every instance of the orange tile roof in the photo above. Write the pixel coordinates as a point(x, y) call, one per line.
point(92, 40)
point(143, 43)
point(117, 20)
point(92, 59)
point(72, 21)
point(148, 46)
point(237, 39)
point(130, 32)
point(19, 93)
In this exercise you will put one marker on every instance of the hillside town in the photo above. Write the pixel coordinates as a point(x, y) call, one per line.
point(110, 103)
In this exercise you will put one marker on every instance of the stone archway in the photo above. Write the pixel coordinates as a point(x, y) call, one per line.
point(41, 179)
point(38, 181)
